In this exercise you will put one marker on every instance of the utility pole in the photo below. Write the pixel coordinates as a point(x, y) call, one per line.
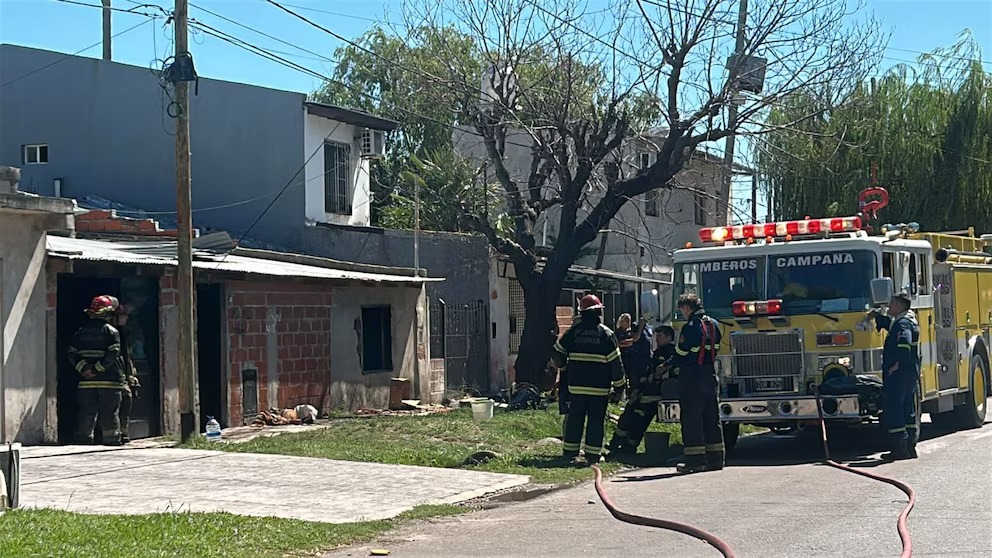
point(728, 157)
point(187, 378)
point(106, 29)
point(754, 197)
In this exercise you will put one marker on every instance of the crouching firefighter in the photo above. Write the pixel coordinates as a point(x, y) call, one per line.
point(590, 351)
point(900, 376)
point(642, 406)
point(95, 354)
point(699, 389)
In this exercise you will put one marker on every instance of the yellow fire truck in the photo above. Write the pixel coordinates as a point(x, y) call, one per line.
point(792, 298)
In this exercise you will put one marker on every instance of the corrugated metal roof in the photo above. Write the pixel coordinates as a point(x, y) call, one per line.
point(134, 253)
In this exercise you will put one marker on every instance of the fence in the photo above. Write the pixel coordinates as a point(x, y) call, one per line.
point(459, 335)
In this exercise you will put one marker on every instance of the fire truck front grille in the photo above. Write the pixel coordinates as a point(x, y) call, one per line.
point(767, 363)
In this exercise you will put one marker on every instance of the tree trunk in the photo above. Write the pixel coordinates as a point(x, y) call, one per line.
point(540, 329)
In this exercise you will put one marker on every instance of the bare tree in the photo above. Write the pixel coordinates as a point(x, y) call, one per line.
point(604, 78)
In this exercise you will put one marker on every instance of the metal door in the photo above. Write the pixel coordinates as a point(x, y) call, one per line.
point(459, 335)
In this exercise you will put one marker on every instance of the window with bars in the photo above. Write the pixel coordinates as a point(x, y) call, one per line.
point(337, 178)
point(651, 197)
point(701, 208)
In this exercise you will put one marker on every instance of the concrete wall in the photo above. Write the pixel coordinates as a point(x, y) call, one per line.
point(318, 131)
point(108, 135)
point(24, 323)
point(462, 259)
point(350, 387)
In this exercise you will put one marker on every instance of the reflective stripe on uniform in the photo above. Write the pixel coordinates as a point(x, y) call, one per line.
point(650, 399)
point(588, 357)
point(695, 450)
point(81, 365)
point(99, 367)
point(560, 349)
point(592, 449)
point(714, 447)
point(91, 384)
point(584, 390)
point(904, 346)
point(619, 383)
point(571, 446)
point(897, 430)
point(640, 412)
point(614, 354)
point(681, 352)
point(91, 353)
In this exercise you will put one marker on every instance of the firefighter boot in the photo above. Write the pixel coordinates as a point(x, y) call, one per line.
point(692, 464)
point(714, 460)
point(914, 437)
point(899, 447)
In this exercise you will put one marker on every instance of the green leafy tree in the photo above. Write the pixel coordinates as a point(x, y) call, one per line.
point(928, 134)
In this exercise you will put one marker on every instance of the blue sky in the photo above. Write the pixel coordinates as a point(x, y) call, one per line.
point(915, 25)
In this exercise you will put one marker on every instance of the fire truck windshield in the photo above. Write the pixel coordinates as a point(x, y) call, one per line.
point(806, 283)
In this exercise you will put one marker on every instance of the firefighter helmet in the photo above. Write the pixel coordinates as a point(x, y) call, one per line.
point(590, 302)
point(103, 306)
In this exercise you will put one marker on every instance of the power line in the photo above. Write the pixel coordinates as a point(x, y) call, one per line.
point(328, 12)
point(80, 51)
point(122, 10)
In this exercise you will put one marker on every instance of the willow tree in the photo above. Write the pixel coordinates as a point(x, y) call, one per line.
point(570, 87)
point(925, 135)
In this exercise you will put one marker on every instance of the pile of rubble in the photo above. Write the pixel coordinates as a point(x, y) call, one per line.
point(301, 414)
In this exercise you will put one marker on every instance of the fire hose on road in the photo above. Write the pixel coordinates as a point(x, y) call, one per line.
point(722, 546)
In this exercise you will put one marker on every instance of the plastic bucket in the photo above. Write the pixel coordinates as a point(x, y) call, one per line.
point(483, 408)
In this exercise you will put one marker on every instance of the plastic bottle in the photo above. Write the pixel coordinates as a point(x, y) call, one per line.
point(213, 430)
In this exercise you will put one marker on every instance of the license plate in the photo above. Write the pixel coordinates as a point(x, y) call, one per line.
point(769, 384)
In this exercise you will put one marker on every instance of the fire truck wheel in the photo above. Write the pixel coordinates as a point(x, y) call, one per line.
point(731, 431)
point(972, 413)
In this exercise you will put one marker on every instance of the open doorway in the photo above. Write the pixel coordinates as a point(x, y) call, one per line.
point(209, 352)
point(140, 295)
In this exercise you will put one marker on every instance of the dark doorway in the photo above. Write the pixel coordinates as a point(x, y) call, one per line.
point(140, 296)
point(209, 352)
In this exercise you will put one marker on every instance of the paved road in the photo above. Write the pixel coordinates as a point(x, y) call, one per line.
point(98, 479)
point(793, 508)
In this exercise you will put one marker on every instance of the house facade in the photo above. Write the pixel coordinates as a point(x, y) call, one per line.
point(25, 222)
point(112, 137)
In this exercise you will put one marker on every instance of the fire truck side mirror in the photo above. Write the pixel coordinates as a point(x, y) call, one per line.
point(881, 291)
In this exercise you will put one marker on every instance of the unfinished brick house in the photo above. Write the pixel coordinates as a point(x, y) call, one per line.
point(273, 329)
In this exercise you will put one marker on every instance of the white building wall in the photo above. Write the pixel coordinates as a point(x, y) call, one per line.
point(318, 130)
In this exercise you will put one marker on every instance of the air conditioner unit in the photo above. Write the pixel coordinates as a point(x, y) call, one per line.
point(373, 144)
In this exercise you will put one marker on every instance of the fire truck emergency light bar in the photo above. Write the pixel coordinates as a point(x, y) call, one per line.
point(743, 308)
point(782, 228)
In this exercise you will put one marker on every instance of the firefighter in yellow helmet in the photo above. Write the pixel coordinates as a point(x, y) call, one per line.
point(592, 355)
point(95, 352)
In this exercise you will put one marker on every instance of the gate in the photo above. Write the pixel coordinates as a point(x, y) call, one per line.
point(459, 335)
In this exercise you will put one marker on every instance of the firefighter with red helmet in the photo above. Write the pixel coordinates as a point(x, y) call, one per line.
point(94, 353)
point(699, 388)
point(592, 355)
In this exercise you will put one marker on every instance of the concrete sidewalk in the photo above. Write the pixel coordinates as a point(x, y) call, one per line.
point(96, 479)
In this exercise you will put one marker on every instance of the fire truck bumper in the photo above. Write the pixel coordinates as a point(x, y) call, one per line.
point(773, 409)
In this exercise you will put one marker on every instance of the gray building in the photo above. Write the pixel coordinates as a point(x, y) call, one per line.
point(82, 127)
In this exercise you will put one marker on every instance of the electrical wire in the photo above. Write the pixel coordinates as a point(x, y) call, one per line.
point(80, 51)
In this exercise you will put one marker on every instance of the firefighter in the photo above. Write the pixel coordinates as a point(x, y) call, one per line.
point(900, 374)
point(644, 396)
point(131, 384)
point(95, 352)
point(699, 387)
point(590, 351)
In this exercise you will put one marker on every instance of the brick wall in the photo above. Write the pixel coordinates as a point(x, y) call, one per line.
point(282, 330)
point(104, 223)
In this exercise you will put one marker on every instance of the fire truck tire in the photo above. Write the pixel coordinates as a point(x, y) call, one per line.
point(731, 431)
point(972, 413)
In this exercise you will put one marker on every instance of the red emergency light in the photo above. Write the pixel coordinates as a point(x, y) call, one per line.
point(743, 308)
point(780, 229)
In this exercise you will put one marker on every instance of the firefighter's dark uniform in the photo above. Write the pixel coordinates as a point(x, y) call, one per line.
point(643, 404)
point(97, 346)
point(699, 387)
point(590, 351)
point(899, 387)
point(131, 385)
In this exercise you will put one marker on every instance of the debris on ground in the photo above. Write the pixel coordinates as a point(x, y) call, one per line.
point(301, 414)
point(481, 457)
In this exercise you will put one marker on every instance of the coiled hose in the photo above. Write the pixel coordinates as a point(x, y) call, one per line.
point(724, 548)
